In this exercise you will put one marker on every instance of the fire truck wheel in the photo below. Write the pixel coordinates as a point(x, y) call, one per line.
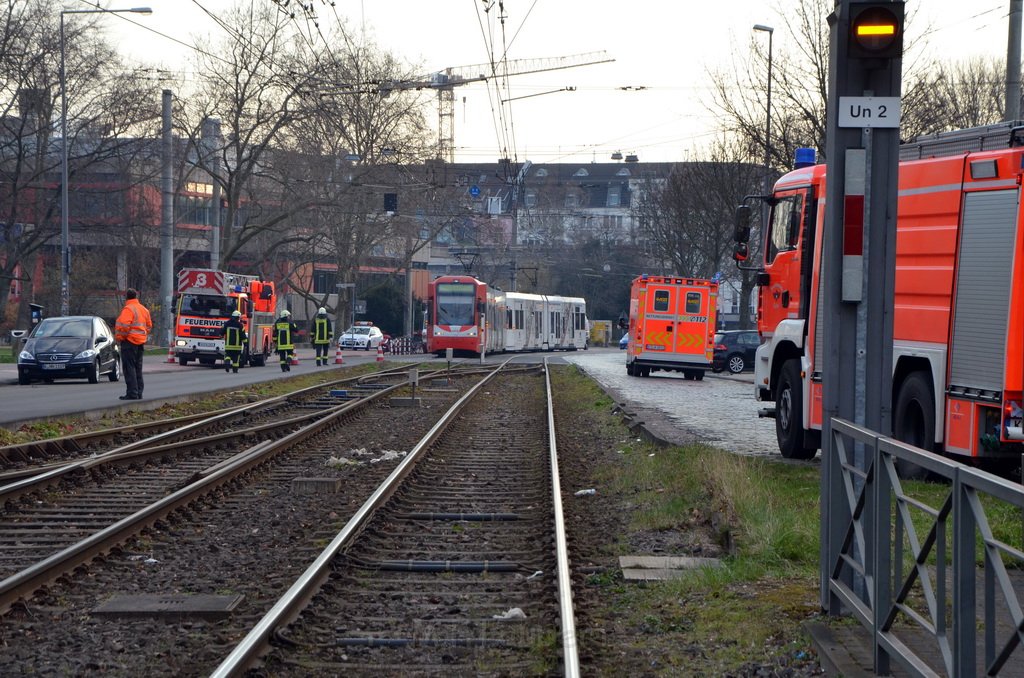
point(914, 421)
point(630, 369)
point(788, 412)
point(182, 360)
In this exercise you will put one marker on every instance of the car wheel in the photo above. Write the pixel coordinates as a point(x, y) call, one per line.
point(182, 360)
point(115, 371)
point(736, 363)
point(914, 421)
point(94, 372)
point(789, 428)
point(23, 379)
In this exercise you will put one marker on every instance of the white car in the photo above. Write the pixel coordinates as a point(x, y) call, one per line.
point(365, 337)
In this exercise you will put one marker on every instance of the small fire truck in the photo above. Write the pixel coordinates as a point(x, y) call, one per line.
point(206, 299)
point(671, 325)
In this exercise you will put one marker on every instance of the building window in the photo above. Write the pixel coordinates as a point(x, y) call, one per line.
point(531, 197)
point(324, 282)
point(571, 200)
point(541, 172)
point(581, 173)
point(614, 195)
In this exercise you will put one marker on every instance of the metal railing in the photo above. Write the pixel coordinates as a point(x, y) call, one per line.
point(909, 570)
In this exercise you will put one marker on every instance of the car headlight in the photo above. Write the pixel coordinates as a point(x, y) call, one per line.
point(87, 353)
point(26, 357)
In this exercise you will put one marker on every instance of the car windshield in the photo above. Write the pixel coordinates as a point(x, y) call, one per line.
point(719, 338)
point(358, 330)
point(207, 305)
point(65, 327)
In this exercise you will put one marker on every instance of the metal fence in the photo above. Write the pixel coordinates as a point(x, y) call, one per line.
point(927, 579)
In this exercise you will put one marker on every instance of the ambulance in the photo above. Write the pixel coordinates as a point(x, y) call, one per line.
point(671, 325)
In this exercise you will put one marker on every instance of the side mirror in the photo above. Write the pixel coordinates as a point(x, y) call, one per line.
point(99, 340)
point(623, 324)
point(739, 252)
point(741, 230)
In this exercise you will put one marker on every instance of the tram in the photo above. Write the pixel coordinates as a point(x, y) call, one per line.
point(472, 318)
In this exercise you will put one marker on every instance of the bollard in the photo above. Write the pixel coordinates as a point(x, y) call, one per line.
point(338, 358)
point(170, 354)
point(380, 353)
point(294, 360)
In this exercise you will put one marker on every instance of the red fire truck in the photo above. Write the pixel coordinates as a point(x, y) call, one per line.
point(958, 324)
point(206, 299)
point(671, 325)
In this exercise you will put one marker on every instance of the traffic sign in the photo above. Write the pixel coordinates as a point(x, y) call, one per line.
point(869, 112)
point(474, 191)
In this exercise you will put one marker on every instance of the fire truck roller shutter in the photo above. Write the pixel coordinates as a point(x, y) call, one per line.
point(983, 290)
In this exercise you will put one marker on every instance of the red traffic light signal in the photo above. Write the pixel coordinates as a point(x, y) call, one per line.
point(876, 30)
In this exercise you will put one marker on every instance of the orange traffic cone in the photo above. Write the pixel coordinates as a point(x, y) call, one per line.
point(380, 353)
point(170, 355)
point(338, 358)
point(294, 360)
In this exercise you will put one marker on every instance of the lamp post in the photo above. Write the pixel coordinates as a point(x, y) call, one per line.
point(65, 248)
point(768, 111)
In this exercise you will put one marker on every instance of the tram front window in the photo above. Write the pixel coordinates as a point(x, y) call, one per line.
point(455, 304)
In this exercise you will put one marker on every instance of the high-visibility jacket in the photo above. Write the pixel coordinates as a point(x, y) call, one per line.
point(134, 323)
point(234, 335)
point(321, 330)
point(283, 329)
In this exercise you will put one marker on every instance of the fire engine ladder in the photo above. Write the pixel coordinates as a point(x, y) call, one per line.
point(958, 142)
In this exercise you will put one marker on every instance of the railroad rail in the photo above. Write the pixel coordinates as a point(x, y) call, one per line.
point(435, 569)
point(108, 498)
point(23, 460)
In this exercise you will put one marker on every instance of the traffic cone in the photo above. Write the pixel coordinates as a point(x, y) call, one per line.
point(170, 355)
point(338, 358)
point(380, 353)
point(294, 360)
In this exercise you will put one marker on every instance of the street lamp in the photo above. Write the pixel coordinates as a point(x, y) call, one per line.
point(768, 108)
point(65, 248)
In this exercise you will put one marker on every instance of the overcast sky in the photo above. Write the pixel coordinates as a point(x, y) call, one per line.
point(650, 101)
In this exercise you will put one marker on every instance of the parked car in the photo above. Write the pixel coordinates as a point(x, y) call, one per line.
point(69, 347)
point(734, 350)
point(624, 342)
point(361, 335)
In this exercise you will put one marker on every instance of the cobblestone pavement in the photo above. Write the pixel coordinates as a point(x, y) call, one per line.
point(719, 411)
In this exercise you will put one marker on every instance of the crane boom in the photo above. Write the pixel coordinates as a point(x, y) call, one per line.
point(445, 81)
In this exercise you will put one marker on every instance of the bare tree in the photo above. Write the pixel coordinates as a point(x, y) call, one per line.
point(690, 217)
point(105, 105)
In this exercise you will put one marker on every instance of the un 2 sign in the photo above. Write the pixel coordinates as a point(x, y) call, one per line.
point(869, 112)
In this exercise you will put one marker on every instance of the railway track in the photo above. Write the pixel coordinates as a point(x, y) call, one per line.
point(250, 539)
point(457, 564)
point(25, 460)
point(57, 520)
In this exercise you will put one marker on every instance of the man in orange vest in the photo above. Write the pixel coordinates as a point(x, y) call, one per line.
point(131, 331)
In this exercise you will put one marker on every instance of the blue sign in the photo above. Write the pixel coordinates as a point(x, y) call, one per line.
point(474, 191)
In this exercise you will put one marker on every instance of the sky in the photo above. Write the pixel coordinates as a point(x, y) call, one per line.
point(651, 101)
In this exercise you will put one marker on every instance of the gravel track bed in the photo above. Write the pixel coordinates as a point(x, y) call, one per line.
point(251, 540)
point(370, 620)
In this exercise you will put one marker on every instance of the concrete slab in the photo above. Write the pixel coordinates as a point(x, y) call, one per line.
point(171, 606)
point(316, 485)
point(667, 562)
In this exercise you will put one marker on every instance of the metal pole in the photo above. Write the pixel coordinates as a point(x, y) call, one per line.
point(767, 127)
point(1013, 61)
point(65, 254)
point(167, 223)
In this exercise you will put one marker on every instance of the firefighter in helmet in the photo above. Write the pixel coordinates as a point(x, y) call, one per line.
point(321, 332)
point(234, 340)
point(284, 335)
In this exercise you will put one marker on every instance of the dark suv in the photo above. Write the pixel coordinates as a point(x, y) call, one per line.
point(734, 350)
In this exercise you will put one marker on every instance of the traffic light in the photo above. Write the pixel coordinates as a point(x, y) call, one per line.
point(876, 30)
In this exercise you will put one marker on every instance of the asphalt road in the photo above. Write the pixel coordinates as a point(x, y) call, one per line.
point(164, 382)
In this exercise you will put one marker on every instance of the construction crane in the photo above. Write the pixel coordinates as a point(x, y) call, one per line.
point(447, 80)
